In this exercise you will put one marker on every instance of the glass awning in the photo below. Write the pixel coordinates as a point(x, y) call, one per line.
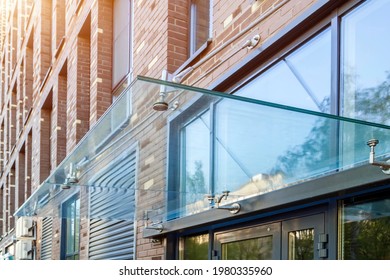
point(259, 147)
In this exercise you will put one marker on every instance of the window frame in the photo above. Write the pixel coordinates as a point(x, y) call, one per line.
point(192, 38)
point(197, 108)
point(127, 77)
point(357, 199)
point(176, 123)
point(64, 227)
point(193, 55)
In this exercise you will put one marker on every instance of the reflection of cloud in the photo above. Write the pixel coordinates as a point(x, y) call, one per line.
point(259, 184)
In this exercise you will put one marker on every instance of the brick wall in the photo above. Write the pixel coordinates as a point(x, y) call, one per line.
point(83, 87)
point(45, 37)
point(150, 37)
point(12, 198)
point(56, 242)
point(101, 58)
point(20, 178)
point(58, 140)
point(71, 99)
point(28, 164)
point(58, 23)
point(45, 148)
point(178, 30)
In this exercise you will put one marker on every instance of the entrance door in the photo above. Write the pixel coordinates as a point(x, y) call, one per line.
point(295, 239)
point(304, 238)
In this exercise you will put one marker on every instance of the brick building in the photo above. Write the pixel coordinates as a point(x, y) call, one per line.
point(118, 143)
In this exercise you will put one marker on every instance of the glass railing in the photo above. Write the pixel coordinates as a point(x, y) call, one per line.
point(251, 148)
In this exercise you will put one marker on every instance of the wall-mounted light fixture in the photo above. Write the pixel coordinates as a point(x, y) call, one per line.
point(161, 104)
point(384, 165)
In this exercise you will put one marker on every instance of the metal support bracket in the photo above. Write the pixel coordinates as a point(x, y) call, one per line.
point(216, 200)
point(384, 165)
point(154, 225)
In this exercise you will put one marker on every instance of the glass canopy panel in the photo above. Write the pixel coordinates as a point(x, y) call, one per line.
point(254, 147)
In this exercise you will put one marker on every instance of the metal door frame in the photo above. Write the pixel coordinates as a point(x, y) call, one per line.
point(315, 221)
point(279, 229)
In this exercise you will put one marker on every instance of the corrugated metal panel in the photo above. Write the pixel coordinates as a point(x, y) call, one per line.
point(46, 241)
point(113, 239)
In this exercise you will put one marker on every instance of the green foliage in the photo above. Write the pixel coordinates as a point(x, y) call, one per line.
point(195, 184)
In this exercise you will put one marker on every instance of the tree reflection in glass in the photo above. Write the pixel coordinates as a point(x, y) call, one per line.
point(366, 231)
point(195, 247)
point(301, 244)
point(251, 249)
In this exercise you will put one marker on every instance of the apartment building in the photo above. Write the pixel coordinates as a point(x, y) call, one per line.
point(189, 129)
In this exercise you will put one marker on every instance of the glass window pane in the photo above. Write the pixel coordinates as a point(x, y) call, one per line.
point(365, 230)
point(252, 249)
point(77, 226)
point(365, 80)
point(251, 165)
point(195, 247)
point(196, 158)
point(70, 228)
point(200, 24)
point(365, 76)
point(121, 40)
point(305, 76)
point(121, 19)
point(121, 56)
point(71, 232)
point(301, 244)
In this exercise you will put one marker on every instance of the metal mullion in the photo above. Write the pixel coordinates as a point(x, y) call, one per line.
point(335, 66)
point(212, 148)
point(335, 134)
point(183, 166)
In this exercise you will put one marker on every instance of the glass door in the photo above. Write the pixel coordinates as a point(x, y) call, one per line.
point(294, 239)
point(304, 238)
point(255, 243)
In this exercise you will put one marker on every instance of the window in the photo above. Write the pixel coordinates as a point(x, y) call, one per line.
point(365, 69)
point(194, 247)
point(214, 155)
point(199, 24)
point(196, 161)
point(365, 229)
point(226, 146)
point(225, 149)
point(121, 41)
point(70, 237)
point(306, 76)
